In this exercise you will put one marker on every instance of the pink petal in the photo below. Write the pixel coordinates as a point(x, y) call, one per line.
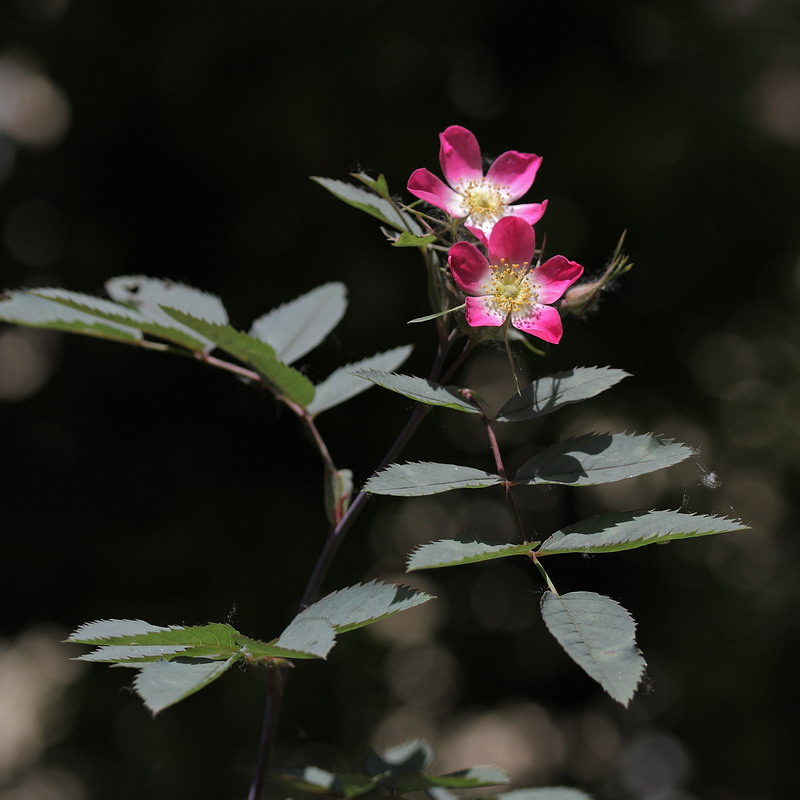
point(515, 171)
point(554, 277)
point(469, 266)
point(530, 212)
point(541, 321)
point(480, 312)
point(425, 185)
point(459, 155)
point(512, 239)
point(478, 234)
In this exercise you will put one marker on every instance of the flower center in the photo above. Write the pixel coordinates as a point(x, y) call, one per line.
point(484, 201)
point(508, 288)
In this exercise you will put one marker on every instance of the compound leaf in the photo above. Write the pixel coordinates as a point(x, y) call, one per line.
point(297, 327)
point(305, 637)
point(601, 458)
point(342, 384)
point(421, 478)
point(598, 634)
point(548, 394)
point(624, 530)
point(421, 390)
point(451, 552)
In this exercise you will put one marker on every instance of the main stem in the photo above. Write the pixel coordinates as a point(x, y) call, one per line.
point(332, 544)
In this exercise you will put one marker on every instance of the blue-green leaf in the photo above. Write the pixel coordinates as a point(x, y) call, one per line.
point(29, 309)
point(164, 683)
point(371, 203)
point(421, 390)
point(551, 393)
point(601, 458)
point(544, 793)
point(342, 384)
point(451, 552)
point(297, 327)
point(623, 530)
point(364, 604)
point(421, 478)
point(599, 635)
point(149, 295)
point(307, 637)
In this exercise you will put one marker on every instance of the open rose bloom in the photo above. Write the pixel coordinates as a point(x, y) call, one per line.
point(508, 285)
point(482, 199)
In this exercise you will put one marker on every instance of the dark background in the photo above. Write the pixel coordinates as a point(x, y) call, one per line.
point(175, 140)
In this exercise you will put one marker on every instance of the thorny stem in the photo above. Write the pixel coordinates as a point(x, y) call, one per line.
point(334, 540)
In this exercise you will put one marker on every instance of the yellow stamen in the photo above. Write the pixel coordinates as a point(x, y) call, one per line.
point(484, 201)
point(508, 289)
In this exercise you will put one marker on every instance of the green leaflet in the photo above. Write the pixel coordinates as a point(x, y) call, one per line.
point(451, 552)
point(624, 530)
point(551, 393)
point(297, 327)
point(342, 384)
point(406, 239)
point(421, 390)
point(598, 634)
point(421, 478)
point(600, 458)
point(320, 781)
point(285, 380)
point(370, 203)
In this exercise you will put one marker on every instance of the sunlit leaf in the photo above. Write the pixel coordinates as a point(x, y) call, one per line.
point(297, 327)
point(342, 384)
point(285, 380)
point(623, 530)
point(23, 308)
point(164, 683)
point(364, 604)
point(406, 239)
point(451, 552)
point(421, 478)
point(544, 793)
point(421, 390)
point(369, 202)
point(551, 393)
point(601, 458)
point(599, 635)
point(307, 636)
point(149, 295)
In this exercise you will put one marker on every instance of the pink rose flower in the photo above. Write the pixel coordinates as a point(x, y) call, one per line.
point(508, 285)
point(483, 200)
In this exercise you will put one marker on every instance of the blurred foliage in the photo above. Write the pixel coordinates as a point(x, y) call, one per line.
point(175, 140)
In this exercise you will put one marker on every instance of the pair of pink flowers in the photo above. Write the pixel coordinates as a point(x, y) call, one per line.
point(507, 285)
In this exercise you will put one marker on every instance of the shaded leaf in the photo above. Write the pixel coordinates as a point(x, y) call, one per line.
point(285, 381)
point(421, 390)
point(601, 458)
point(378, 207)
point(164, 683)
point(544, 793)
point(624, 530)
point(342, 384)
point(29, 309)
point(551, 393)
point(364, 604)
point(148, 295)
point(450, 552)
point(599, 635)
point(408, 758)
point(421, 478)
point(297, 327)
